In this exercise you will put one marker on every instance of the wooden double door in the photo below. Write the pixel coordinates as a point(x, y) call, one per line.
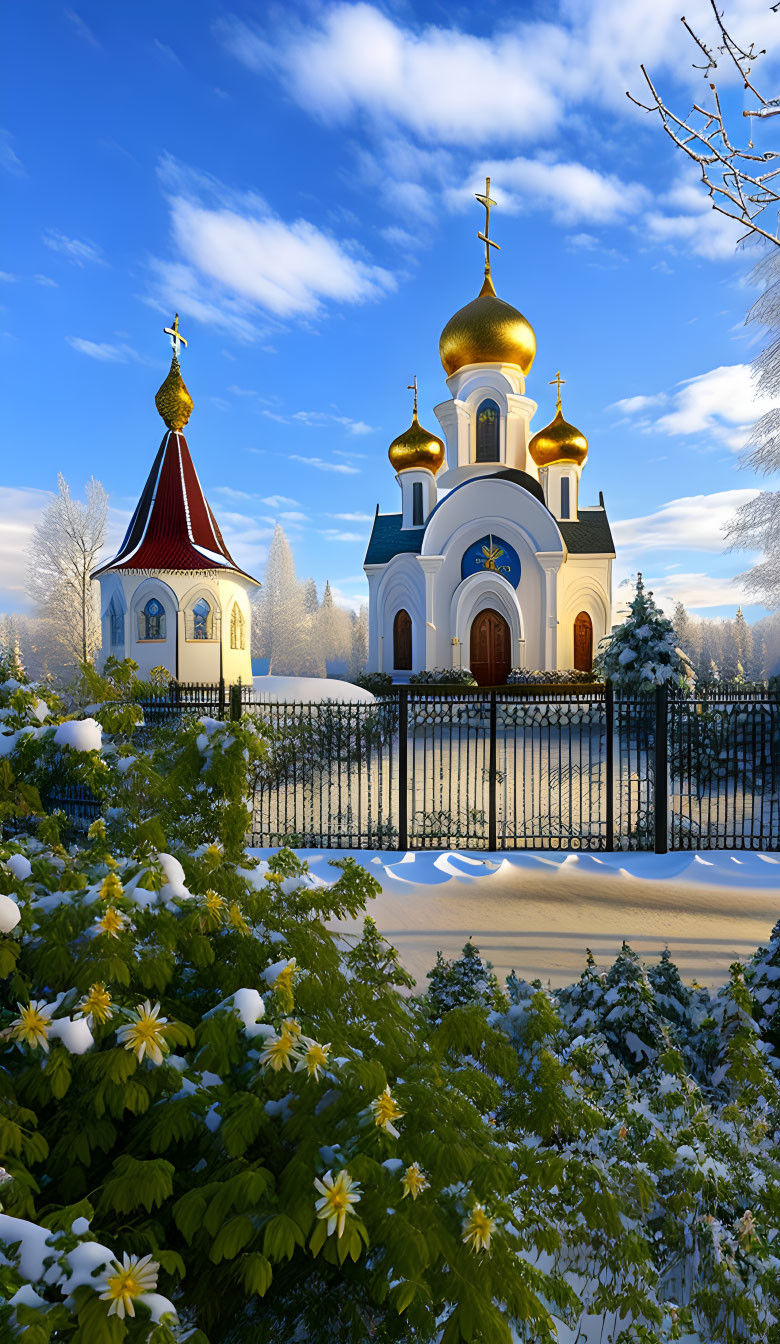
point(491, 649)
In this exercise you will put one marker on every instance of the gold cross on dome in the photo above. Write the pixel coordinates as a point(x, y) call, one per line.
point(558, 381)
point(412, 387)
point(485, 237)
point(176, 339)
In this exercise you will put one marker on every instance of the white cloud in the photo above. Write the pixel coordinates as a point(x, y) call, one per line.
point(696, 590)
point(79, 251)
point(692, 523)
point(20, 511)
point(276, 501)
point(46, 281)
point(102, 350)
point(353, 517)
point(235, 257)
point(333, 534)
point(322, 465)
point(721, 404)
point(82, 29)
point(8, 159)
point(570, 191)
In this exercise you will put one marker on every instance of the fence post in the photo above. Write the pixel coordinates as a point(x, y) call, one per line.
point(403, 767)
point(609, 714)
point(492, 776)
point(661, 798)
point(235, 701)
point(221, 706)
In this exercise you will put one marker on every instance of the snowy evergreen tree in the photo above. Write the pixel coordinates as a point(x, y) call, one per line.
point(358, 652)
point(642, 653)
point(465, 980)
point(632, 1023)
point(672, 997)
point(581, 1004)
point(763, 976)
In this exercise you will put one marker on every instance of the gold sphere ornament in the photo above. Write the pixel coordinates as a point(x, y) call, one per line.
point(416, 447)
point(559, 441)
point(487, 331)
point(173, 401)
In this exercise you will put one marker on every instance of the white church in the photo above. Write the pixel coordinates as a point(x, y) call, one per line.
point(492, 562)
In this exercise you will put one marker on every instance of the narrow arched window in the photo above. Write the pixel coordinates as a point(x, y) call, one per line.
point(201, 619)
point(565, 504)
point(488, 423)
point(151, 621)
point(237, 628)
point(402, 641)
point(117, 620)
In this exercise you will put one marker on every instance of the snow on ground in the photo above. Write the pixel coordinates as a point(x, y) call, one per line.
point(309, 690)
point(537, 912)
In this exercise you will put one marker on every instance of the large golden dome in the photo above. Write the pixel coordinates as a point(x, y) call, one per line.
point(558, 442)
point(416, 447)
point(487, 331)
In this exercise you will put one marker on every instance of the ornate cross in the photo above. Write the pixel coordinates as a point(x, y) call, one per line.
point(558, 381)
point(412, 387)
point(486, 239)
point(176, 340)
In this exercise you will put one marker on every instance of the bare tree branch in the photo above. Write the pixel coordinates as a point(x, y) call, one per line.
point(728, 170)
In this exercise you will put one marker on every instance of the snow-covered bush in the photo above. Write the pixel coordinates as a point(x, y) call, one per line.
point(526, 676)
point(642, 653)
point(443, 676)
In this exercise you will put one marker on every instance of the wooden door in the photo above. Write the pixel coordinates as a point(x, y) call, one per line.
point(583, 643)
point(402, 641)
point(491, 649)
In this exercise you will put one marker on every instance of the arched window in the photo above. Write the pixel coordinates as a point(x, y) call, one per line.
point(237, 628)
point(201, 619)
point(151, 621)
point(488, 422)
point(402, 641)
point(117, 620)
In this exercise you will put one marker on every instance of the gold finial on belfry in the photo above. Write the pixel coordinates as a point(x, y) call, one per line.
point(412, 387)
point(485, 237)
point(173, 401)
point(557, 381)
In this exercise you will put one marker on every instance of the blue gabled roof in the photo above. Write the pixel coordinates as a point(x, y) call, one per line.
point(591, 535)
point(389, 539)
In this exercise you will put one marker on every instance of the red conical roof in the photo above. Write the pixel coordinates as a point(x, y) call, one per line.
point(173, 526)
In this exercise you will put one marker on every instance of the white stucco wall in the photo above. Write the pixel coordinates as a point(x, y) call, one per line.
point(199, 660)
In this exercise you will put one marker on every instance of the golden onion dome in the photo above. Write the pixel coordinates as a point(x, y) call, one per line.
point(558, 442)
point(173, 401)
point(416, 447)
point(487, 331)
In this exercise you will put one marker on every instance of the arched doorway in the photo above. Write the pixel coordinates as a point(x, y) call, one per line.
point(583, 643)
point(402, 641)
point(491, 649)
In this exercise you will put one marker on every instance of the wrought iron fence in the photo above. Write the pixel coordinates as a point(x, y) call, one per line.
point(512, 767)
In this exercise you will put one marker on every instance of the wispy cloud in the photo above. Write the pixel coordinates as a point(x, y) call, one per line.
point(7, 278)
point(236, 258)
point(79, 251)
point(105, 352)
point(8, 158)
point(82, 28)
point(46, 281)
point(352, 517)
point(333, 534)
point(721, 404)
point(321, 465)
point(320, 420)
point(693, 522)
point(165, 52)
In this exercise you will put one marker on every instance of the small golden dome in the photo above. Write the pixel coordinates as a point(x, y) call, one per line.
point(173, 401)
point(487, 331)
point(416, 447)
point(558, 442)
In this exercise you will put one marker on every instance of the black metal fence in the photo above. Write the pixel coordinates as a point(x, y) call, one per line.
point(514, 767)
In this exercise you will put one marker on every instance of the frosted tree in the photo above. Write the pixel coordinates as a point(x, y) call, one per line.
point(62, 553)
point(642, 653)
point(279, 614)
point(742, 182)
point(358, 653)
point(333, 631)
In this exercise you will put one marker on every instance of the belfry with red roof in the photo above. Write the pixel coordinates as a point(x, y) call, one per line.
point(173, 596)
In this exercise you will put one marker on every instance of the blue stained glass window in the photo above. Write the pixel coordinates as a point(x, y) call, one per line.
point(151, 620)
point(201, 619)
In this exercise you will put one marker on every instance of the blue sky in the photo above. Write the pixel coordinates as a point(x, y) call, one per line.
point(297, 181)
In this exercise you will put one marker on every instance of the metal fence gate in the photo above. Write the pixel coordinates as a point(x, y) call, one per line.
point(576, 767)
